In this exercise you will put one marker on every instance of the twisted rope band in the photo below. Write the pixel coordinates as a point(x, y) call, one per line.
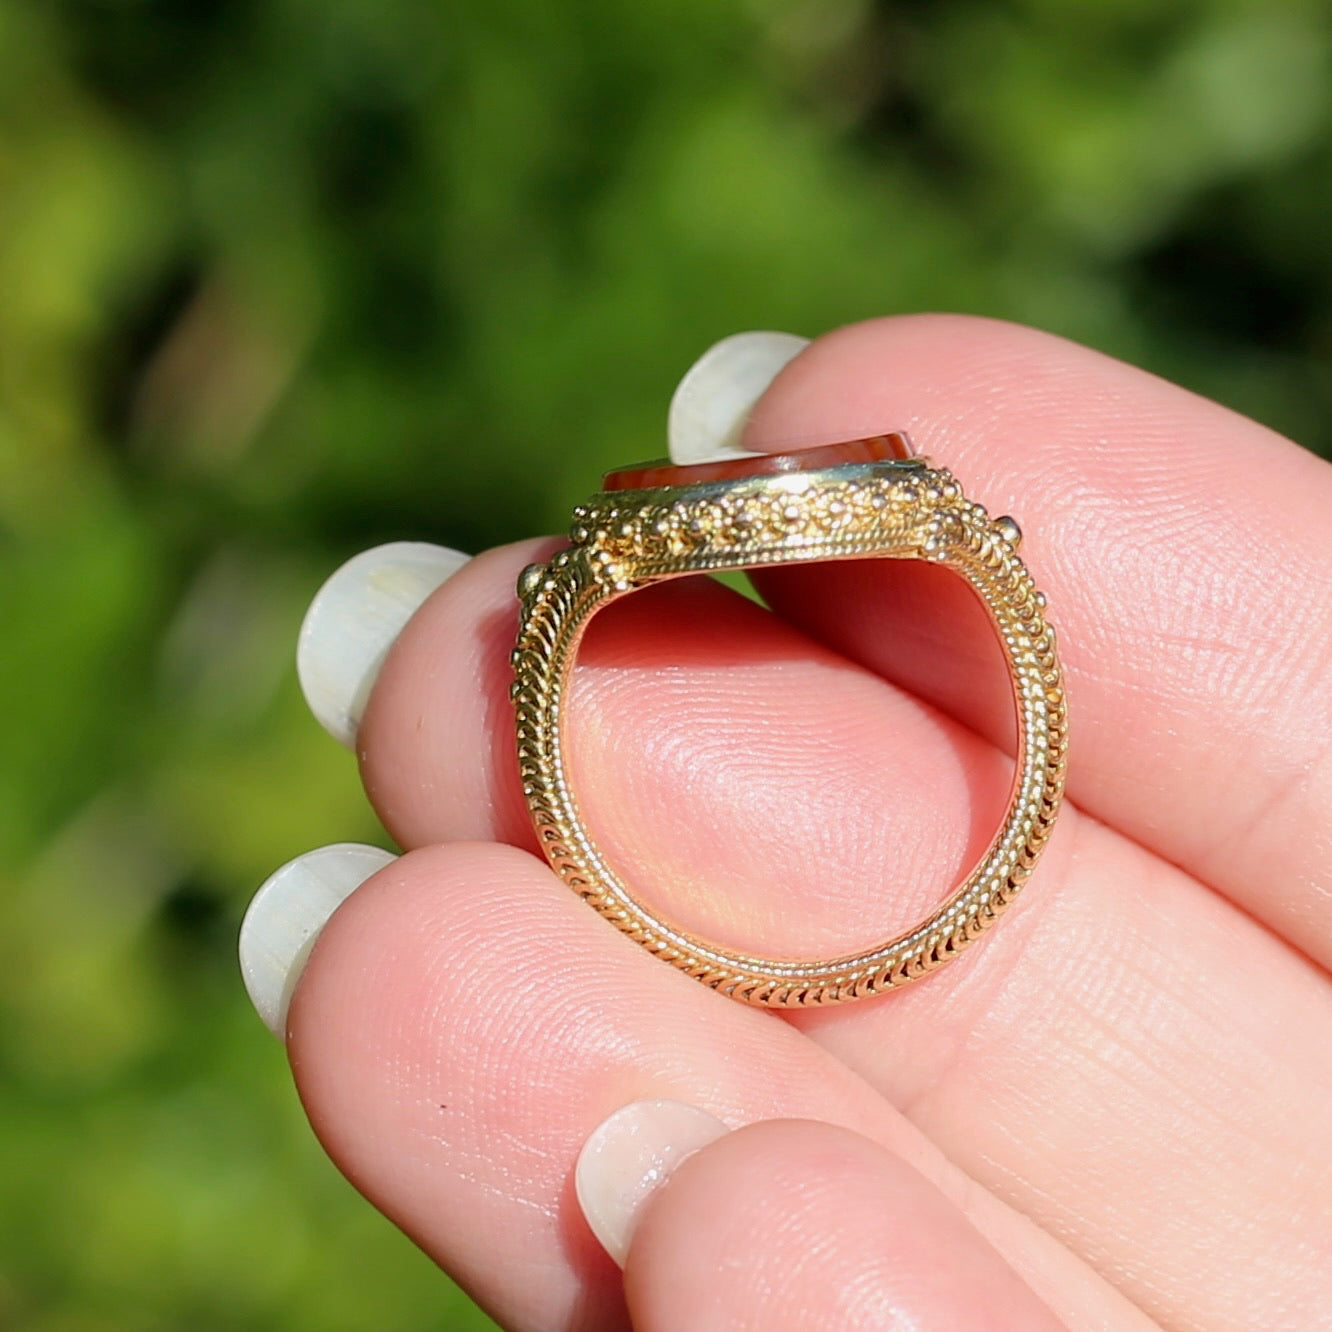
point(623, 540)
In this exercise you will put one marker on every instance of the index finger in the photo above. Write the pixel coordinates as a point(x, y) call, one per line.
point(1186, 555)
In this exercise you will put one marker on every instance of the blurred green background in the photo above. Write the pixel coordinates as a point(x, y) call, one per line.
point(283, 278)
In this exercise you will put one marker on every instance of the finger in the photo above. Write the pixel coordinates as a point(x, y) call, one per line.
point(463, 1024)
point(1116, 1063)
point(710, 742)
point(796, 1224)
point(1188, 561)
point(1120, 986)
point(436, 743)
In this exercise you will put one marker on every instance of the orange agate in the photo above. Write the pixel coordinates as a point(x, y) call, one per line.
point(893, 447)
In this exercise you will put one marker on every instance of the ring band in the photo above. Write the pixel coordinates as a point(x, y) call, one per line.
point(866, 498)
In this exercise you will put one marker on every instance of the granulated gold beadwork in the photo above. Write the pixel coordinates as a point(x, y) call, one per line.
point(890, 508)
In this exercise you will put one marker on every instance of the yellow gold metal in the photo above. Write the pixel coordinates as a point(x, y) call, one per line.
point(626, 539)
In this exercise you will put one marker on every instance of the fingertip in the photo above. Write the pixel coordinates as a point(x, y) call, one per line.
point(353, 621)
point(795, 1223)
point(288, 913)
point(713, 401)
point(908, 372)
point(628, 1156)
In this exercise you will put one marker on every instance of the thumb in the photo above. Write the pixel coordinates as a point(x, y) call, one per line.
point(789, 1224)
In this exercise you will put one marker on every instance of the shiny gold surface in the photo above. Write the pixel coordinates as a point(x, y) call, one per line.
point(624, 540)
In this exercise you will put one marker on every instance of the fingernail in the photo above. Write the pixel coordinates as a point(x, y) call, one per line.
point(353, 621)
point(629, 1155)
point(718, 392)
point(285, 918)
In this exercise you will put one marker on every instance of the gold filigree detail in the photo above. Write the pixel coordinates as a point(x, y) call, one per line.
point(625, 539)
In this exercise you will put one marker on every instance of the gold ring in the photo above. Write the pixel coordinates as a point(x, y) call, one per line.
point(868, 497)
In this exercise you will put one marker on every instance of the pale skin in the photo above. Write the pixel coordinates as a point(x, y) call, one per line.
point(1114, 1113)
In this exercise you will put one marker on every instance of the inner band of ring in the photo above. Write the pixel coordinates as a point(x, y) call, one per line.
point(623, 540)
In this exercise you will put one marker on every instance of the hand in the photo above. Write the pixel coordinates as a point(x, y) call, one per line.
point(1112, 1114)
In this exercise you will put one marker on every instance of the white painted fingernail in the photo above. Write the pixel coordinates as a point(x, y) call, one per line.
point(285, 918)
point(718, 392)
point(630, 1154)
point(353, 621)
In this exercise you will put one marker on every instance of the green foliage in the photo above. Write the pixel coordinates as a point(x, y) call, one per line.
point(284, 279)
